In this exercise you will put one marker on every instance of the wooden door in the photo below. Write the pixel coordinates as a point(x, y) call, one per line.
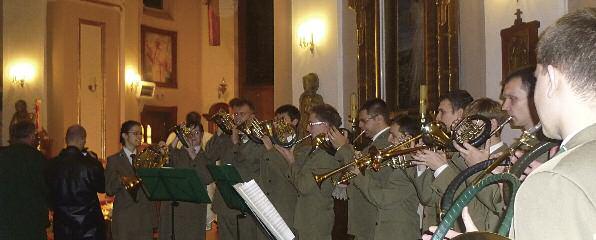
point(161, 120)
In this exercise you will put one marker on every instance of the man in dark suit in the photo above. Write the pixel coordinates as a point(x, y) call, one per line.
point(131, 218)
point(23, 195)
point(75, 177)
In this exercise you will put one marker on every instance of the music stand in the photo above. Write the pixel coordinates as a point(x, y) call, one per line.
point(171, 184)
point(225, 176)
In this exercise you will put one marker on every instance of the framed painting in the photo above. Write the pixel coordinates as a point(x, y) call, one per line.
point(158, 56)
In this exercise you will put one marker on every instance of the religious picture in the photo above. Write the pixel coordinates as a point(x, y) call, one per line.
point(159, 56)
point(411, 51)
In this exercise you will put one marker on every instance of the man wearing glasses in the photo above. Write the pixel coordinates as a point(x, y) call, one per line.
point(382, 205)
point(189, 216)
point(238, 150)
point(131, 218)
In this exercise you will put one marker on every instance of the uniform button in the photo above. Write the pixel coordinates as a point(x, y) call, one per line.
point(267, 194)
point(269, 180)
point(376, 223)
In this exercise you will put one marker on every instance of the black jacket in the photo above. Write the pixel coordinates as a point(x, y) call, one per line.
point(74, 179)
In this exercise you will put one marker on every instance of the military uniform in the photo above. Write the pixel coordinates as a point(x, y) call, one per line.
point(557, 200)
point(314, 216)
point(245, 157)
point(430, 189)
point(190, 218)
point(130, 219)
point(277, 186)
point(392, 196)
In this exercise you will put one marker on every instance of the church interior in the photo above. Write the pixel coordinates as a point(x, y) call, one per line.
point(99, 63)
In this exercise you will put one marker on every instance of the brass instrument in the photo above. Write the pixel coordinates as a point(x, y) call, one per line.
point(224, 121)
point(183, 133)
point(526, 141)
point(433, 134)
point(153, 156)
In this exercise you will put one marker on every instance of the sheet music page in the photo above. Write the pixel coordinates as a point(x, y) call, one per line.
point(264, 210)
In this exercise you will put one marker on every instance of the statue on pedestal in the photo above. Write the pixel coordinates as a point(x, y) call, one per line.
point(308, 99)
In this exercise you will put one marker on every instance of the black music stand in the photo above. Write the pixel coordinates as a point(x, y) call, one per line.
point(176, 185)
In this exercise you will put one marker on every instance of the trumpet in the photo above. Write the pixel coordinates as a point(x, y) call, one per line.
point(433, 134)
point(526, 141)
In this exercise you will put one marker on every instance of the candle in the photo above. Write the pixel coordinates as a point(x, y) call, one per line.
point(423, 102)
point(353, 107)
point(142, 134)
point(148, 134)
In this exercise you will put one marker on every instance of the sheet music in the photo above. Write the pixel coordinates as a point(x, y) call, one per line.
point(264, 210)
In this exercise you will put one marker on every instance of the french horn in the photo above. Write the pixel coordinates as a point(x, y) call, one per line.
point(154, 156)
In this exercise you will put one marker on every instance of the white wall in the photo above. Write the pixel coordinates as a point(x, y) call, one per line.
point(326, 61)
point(496, 18)
point(24, 40)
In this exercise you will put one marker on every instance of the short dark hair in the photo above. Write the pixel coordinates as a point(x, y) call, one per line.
point(74, 132)
point(193, 118)
point(239, 102)
point(407, 124)
point(125, 128)
point(458, 98)
point(21, 130)
point(526, 74)
point(327, 113)
point(289, 109)
point(376, 106)
point(568, 45)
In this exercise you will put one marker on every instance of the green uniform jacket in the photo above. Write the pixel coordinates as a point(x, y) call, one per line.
point(277, 186)
point(391, 195)
point(430, 190)
point(190, 218)
point(245, 158)
point(558, 199)
point(130, 219)
point(314, 216)
point(23, 194)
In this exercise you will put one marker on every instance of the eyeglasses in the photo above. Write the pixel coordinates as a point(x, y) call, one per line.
point(316, 123)
point(136, 133)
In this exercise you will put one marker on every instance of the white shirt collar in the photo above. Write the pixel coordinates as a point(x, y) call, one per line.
point(379, 133)
point(128, 153)
point(494, 147)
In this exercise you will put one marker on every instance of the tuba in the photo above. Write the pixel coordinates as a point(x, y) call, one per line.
point(154, 156)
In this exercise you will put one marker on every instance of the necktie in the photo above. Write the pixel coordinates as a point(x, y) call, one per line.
point(132, 159)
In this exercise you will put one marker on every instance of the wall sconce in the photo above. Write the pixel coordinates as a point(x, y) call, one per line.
point(310, 34)
point(133, 79)
point(221, 89)
point(310, 44)
point(21, 73)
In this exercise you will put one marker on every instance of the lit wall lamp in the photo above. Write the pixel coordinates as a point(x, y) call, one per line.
point(133, 79)
point(22, 72)
point(310, 34)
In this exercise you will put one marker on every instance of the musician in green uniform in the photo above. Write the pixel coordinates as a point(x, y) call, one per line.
point(274, 170)
point(433, 182)
point(314, 216)
point(242, 153)
point(381, 205)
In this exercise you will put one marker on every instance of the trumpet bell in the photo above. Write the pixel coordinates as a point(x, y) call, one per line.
point(435, 134)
